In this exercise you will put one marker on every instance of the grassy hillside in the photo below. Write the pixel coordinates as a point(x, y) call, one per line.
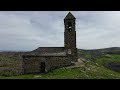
point(113, 62)
point(109, 57)
point(88, 70)
point(97, 64)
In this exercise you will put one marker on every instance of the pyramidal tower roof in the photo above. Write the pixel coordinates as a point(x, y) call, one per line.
point(69, 16)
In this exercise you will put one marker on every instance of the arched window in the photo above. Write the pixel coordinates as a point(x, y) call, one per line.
point(69, 26)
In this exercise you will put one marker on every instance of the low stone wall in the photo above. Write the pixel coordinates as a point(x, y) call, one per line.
point(10, 65)
point(32, 64)
point(58, 61)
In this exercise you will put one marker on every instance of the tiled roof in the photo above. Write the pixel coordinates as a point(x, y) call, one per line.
point(49, 51)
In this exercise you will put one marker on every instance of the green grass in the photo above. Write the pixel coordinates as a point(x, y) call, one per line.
point(116, 57)
point(88, 71)
point(113, 58)
point(18, 77)
point(87, 55)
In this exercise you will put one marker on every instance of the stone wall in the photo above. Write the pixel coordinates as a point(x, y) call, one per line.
point(70, 38)
point(32, 64)
point(10, 64)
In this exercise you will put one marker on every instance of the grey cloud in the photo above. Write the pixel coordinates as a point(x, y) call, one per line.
point(27, 30)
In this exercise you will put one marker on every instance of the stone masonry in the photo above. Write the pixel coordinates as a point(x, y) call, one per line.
point(44, 59)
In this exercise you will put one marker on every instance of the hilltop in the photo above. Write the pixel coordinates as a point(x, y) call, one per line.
point(85, 70)
point(93, 64)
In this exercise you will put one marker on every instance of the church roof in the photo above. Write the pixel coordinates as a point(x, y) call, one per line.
point(49, 51)
point(69, 16)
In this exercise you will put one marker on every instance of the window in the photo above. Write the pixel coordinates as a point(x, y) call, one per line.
point(69, 26)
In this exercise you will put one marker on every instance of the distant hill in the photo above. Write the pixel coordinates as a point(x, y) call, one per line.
point(108, 57)
point(97, 64)
point(12, 51)
point(111, 50)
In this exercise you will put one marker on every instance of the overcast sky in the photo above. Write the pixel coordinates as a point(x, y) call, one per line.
point(28, 30)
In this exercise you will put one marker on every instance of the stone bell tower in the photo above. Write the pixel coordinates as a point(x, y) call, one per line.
point(70, 36)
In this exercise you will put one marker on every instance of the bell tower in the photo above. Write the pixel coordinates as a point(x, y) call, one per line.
point(70, 36)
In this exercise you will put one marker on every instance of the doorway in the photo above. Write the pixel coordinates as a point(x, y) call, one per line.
point(42, 67)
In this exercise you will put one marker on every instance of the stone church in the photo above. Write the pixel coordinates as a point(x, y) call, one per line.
point(44, 59)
